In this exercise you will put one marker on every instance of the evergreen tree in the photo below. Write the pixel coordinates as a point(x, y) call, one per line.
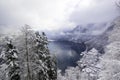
point(25, 43)
point(46, 62)
point(11, 65)
point(52, 68)
point(36, 63)
point(59, 75)
point(88, 64)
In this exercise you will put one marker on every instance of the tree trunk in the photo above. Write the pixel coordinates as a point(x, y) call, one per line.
point(27, 54)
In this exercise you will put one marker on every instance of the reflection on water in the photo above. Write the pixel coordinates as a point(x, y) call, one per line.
point(67, 53)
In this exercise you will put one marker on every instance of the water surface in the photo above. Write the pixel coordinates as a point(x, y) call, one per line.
point(67, 53)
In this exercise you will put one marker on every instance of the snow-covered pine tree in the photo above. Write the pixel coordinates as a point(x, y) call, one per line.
point(36, 61)
point(59, 75)
point(52, 67)
point(25, 44)
point(3, 65)
point(45, 61)
point(50, 60)
point(88, 64)
point(11, 63)
point(41, 55)
point(73, 73)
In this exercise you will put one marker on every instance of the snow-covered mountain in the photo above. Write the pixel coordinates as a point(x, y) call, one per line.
point(93, 35)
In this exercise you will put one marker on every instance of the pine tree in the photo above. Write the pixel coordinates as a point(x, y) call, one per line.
point(59, 75)
point(25, 42)
point(88, 64)
point(11, 65)
point(36, 61)
point(52, 68)
point(45, 61)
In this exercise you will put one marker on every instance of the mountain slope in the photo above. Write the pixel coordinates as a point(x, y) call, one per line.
point(93, 35)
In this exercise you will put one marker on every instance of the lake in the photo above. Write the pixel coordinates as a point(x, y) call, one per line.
point(67, 53)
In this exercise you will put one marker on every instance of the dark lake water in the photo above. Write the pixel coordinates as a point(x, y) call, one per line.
point(67, 53)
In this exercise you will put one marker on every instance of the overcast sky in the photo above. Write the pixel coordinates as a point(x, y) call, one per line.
point(55, 14)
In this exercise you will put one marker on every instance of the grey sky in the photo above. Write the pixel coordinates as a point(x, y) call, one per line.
point(55, 14)
point(96, 11)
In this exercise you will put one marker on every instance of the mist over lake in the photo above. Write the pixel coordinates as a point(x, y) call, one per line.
point(67, 52)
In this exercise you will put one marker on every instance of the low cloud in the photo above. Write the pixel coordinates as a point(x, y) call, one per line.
point(55, 14)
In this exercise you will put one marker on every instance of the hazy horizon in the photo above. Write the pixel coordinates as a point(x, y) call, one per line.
point(55, 15)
